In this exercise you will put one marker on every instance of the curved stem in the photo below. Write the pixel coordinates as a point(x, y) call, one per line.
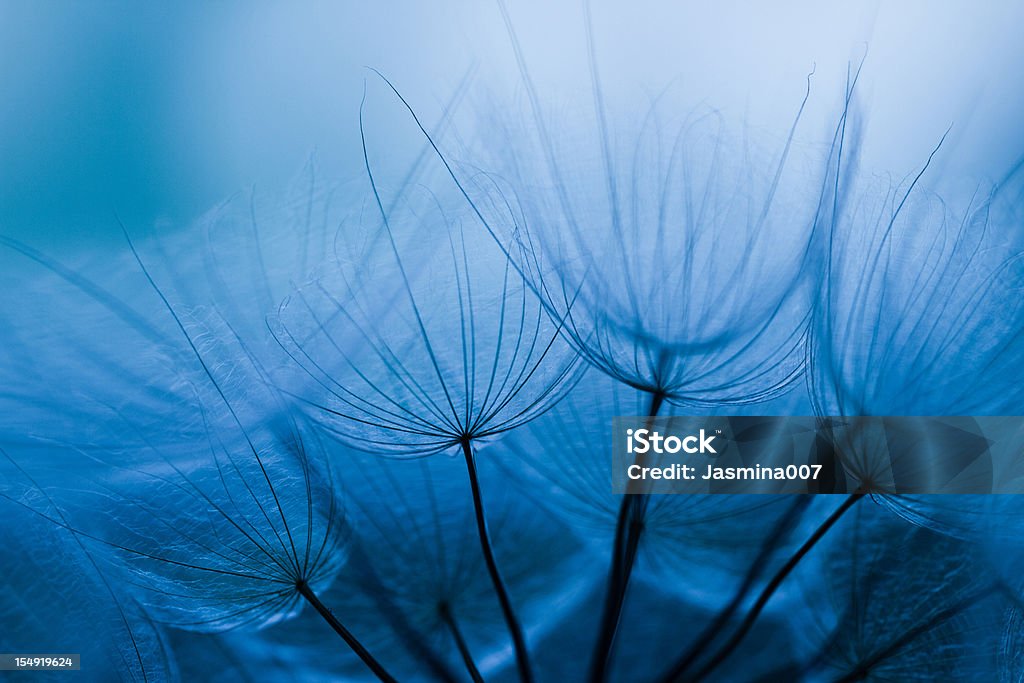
point(357, 647)
point(773, 585)
point(460, 642)
point(707, 637)
point(514, 628)
point(628, 530)
point(398, 619)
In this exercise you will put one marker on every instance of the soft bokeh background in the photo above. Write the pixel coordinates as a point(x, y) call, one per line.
point(157, 112)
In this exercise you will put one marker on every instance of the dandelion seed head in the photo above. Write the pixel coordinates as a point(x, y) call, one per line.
point(675, 253)
point(432, 339)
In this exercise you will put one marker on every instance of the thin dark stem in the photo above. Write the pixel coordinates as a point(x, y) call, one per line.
point(707, 637)
point(460, 642)
point(514, 628)
point(628, 529)
point(773, 585)
point(345, 634)
point(397, 618)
